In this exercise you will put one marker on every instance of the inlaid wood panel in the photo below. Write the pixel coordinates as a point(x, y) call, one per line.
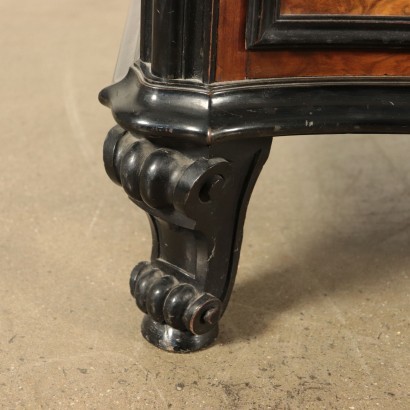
point(346, 7)
point(366, 24)
point(234, 62)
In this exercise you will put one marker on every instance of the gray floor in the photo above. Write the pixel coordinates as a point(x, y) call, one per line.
point(320, 313)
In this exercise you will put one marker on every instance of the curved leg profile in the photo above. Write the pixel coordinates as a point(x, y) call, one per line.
point(196, 199)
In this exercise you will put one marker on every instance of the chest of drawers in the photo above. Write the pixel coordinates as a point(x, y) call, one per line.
point(200, 89)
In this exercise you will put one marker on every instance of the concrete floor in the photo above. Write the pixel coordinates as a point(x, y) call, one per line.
point(320, 313)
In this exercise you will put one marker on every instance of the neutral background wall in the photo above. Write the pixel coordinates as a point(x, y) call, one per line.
point(320, 313)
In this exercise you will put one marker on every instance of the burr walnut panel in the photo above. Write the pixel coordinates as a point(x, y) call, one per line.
point(346, 7)
point(234, 62)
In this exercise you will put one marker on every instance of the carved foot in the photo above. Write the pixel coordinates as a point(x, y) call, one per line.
point(173, 340)
point(196, 199)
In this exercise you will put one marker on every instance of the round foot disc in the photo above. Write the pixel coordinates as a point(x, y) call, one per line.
point(173, 340)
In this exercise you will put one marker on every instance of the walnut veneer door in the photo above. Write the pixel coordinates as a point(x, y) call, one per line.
point(299, 38)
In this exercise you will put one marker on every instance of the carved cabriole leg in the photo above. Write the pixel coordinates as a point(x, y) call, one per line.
point(196, 199)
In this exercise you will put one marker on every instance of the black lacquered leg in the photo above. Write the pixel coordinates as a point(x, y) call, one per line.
point(196, 199)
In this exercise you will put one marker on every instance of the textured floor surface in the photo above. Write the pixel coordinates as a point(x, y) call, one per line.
point(319, 317)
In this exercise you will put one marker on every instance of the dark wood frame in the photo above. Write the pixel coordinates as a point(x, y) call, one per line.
point(267, 28)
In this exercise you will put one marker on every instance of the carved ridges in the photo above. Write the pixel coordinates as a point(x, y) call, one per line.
point(163, 178)
point(168, 301)
point(196, 201)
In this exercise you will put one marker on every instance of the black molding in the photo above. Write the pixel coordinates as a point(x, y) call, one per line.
point(146, 30)
point(178, 38)
point(206, 114)
point(268, 29)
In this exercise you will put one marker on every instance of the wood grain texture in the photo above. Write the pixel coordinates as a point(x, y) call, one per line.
point(348, 7)
point(235, 63)
point(311, 63)
point(231, 53)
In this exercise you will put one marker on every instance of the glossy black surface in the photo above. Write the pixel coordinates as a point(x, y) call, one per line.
point(196, 198)
point(178, 38)
point(208, 114)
